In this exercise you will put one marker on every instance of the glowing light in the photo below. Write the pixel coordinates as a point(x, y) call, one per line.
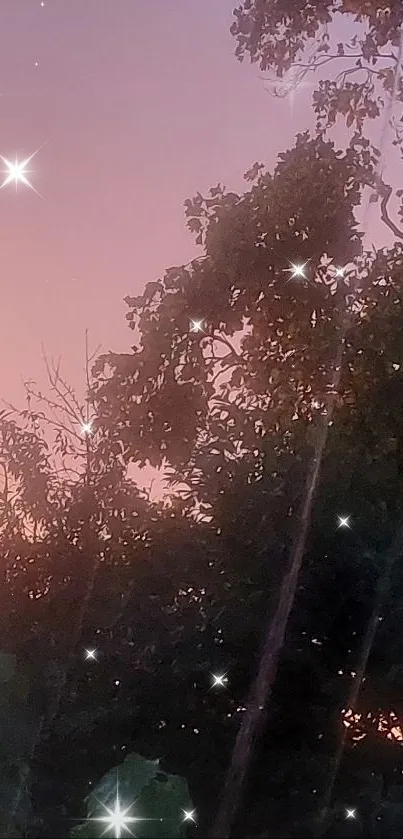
point(297, 271)
point(189, 816)
point(91, 654)
point(386, 724)
point(117, 819)
point(344, 521)
point(17, 172)
point(288, 86)
point(350, 814)
point(339, 272)
point(219, 681)
point(196, 326)
point(86, 428)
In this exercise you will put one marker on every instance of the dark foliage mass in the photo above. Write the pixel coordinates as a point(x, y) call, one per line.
point(169, 594)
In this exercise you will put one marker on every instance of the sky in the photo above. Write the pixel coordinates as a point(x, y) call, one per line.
point(134, 106)
point(138, 105)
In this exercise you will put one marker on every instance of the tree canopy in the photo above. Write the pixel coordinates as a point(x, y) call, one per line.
point(168, 595)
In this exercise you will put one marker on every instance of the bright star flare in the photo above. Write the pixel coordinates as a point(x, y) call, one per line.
point(297, 271)
point(344, 521)
point(91, 654)
point(189, 816)
point(219, 681)
point(117, 819)
point(196, 326)
point(350, 814)
point(17, 172)
point(86, 428)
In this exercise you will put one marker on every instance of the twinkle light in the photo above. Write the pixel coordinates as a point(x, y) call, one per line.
point(344, 521)
point(297, 271)
point(350, 814)
point(91, 654)
point(116, 819)
point(196, 326)
point(189, 816)
point(339, 272)
point(86, 428)
point(219, 681)
point(17, 172)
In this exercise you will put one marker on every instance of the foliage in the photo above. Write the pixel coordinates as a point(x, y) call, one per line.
point(17, 726)
point(183, 592)
point(293, 41)
point(162, 799)
point(166, 388)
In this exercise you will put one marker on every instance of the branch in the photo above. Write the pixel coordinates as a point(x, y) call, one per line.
point(301, 70)
point(385, 191)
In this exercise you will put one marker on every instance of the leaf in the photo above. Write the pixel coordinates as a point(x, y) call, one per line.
point(160, 800)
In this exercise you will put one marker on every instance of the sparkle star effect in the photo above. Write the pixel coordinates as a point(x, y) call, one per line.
point(86, 428)
point(189, 816)
point(219, 681)
point(297, 271)
point(91, 654)
point(196, 326)
point(17, 172)
point(117, 819)
point(350, 814)
point(344, 521)
point(287, 87)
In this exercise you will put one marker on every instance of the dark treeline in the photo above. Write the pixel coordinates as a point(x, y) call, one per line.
point(170, 593)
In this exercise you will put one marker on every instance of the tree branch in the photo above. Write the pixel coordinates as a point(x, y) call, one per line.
point(385, 191)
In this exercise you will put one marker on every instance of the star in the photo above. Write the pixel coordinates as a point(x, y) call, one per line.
point(219, 681)
point(297, 271)
point(196, 326)
point(189, 816)
point(350, 814)
point(339, 272)
point(117, 819)
point(86, 428)
point(18, 172)
point(288, 86)
point(343, 521)
point(91, 654)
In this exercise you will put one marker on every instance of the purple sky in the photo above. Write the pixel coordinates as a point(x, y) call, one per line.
point(139, 104)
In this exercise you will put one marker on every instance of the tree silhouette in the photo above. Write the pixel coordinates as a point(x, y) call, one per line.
point(292, 41)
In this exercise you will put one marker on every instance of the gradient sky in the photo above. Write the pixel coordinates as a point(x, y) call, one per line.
point(139, 105)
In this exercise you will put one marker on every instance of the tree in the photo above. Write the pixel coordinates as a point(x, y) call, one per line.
point(163, 798)
point(292, 41)
point(291, 335)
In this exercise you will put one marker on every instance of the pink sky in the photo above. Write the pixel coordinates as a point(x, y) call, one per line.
point(139, 104)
